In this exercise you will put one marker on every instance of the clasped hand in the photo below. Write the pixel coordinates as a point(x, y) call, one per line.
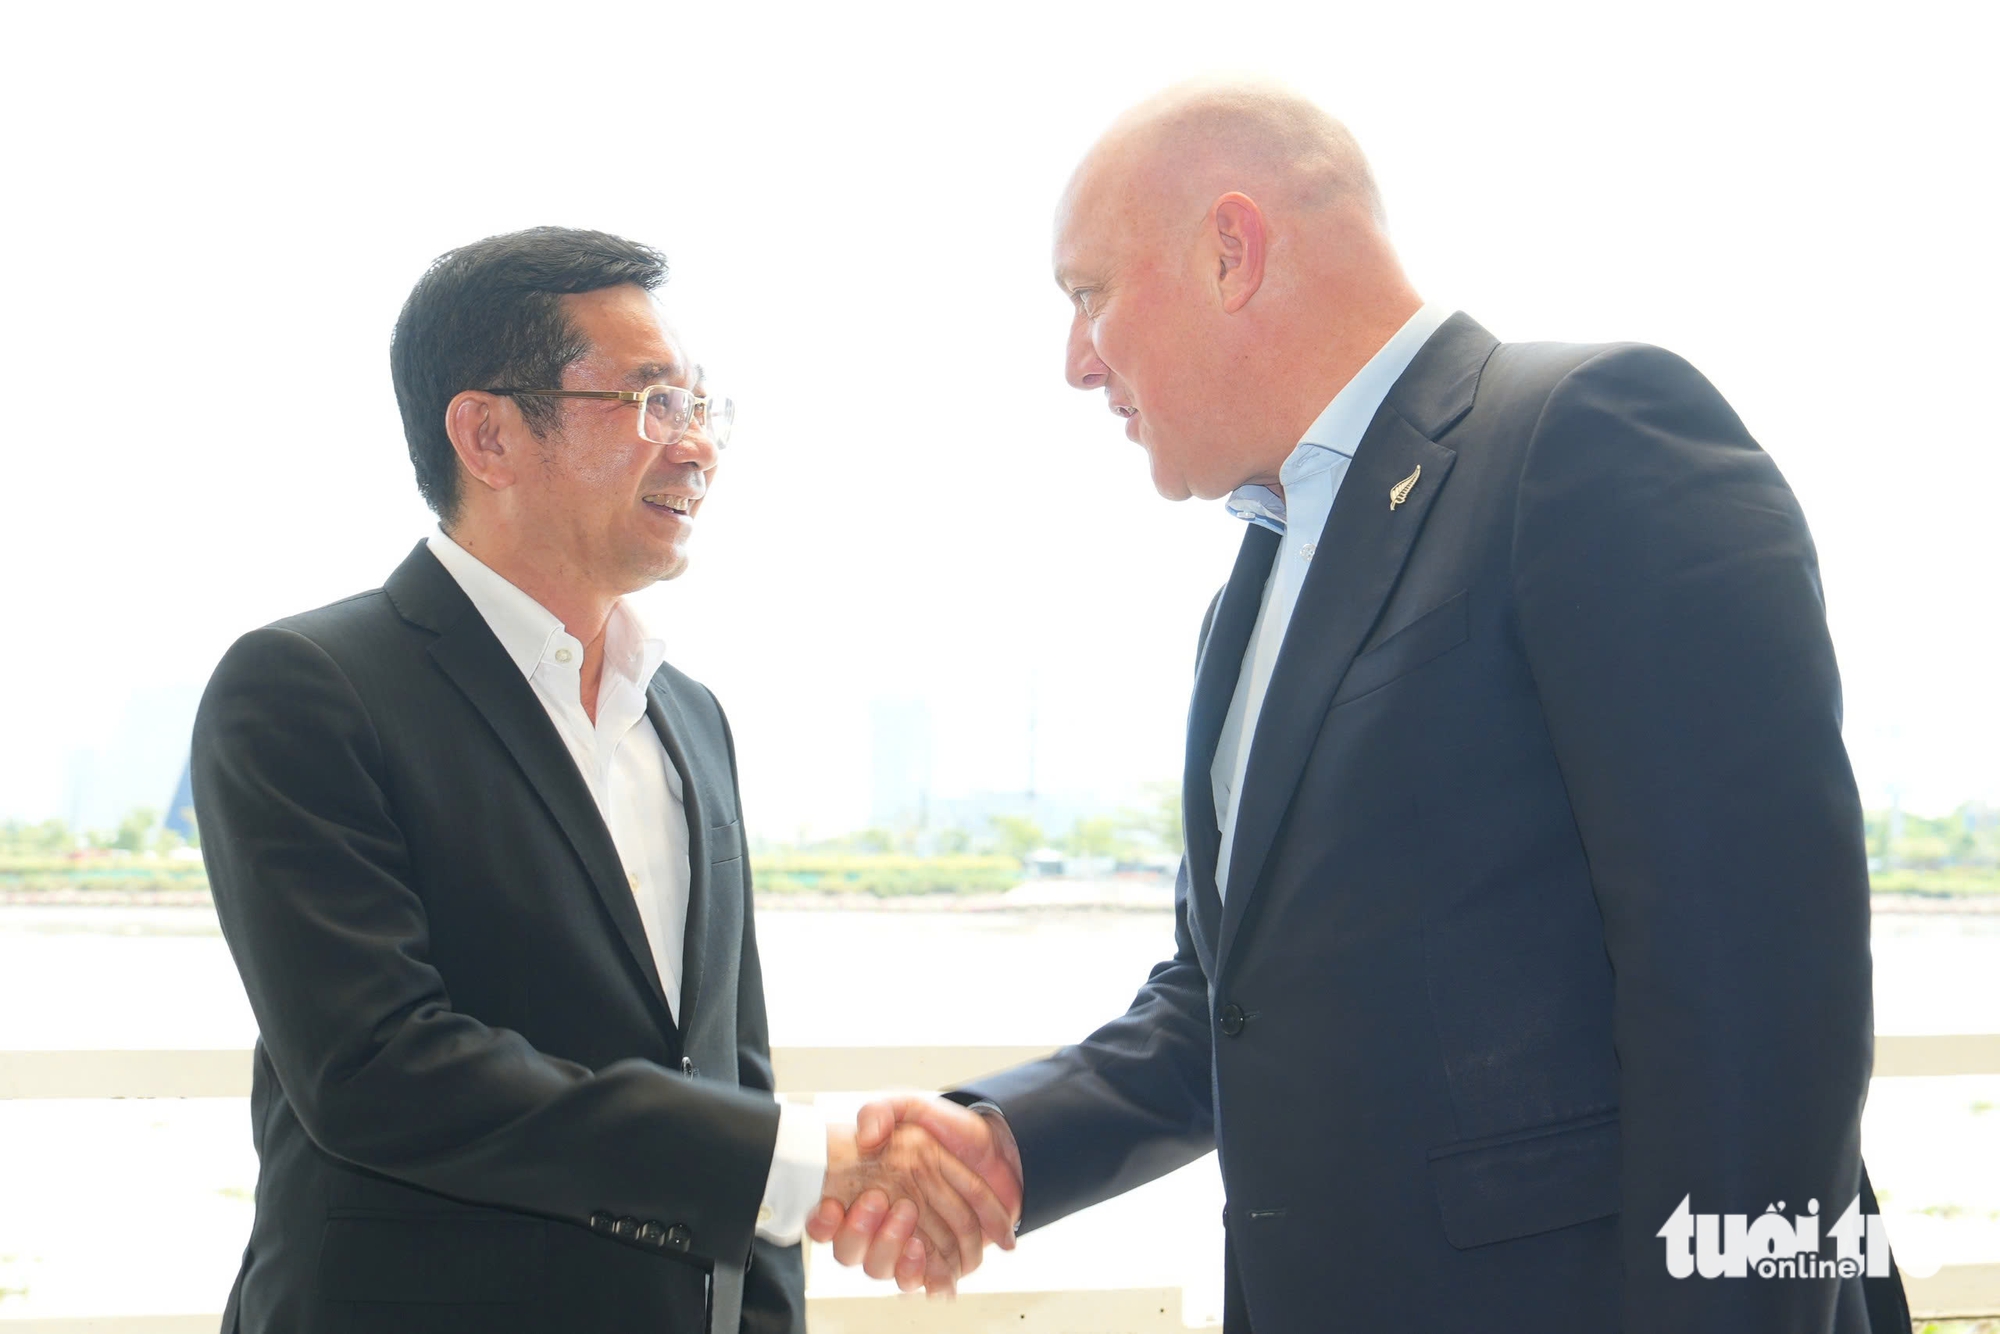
point(915, 1190)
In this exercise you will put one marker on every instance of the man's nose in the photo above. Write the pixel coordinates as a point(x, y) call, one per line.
point(696, 447)
point(1081, 365)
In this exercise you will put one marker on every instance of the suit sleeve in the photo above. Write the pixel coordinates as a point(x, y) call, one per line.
point(1131, 1102)
point(1670, 609)
point(312, 883)
point(774, 1286)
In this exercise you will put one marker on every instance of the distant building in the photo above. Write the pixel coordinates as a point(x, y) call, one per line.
point(138, 763)
point(900, 736)
point(1055, 812)
point(1047, 861)
point(180, 811)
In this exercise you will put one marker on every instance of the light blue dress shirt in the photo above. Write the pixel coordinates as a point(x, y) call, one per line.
point(1297, 512)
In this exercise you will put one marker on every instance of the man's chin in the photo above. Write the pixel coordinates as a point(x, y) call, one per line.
point(673, 568)
point(1170, 485)
point(657, 566)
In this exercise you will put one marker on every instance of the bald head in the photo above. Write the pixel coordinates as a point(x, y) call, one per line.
point(1196, 141)
point(1223, 247)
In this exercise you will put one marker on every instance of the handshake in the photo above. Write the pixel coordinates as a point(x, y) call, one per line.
point(916, 1188)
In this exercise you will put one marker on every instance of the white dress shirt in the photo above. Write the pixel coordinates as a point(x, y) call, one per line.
point(1310, 478)
point(625, 765)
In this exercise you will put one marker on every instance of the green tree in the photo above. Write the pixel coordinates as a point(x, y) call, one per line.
point(1968, 837)
point(50, 838)
point(1094, 837)
point(1159, 819)
point(1018, 835)
point(135, 831)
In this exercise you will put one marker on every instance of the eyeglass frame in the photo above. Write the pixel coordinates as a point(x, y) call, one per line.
point(696, 403)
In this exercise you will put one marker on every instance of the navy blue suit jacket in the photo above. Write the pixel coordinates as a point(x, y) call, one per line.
point(1548, 899)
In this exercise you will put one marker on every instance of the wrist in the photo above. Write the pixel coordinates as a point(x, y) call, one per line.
point(1005, 1149)
point(1003, 1135)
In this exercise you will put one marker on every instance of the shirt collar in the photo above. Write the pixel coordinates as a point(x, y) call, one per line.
point(1339, 428)
point(531, 634)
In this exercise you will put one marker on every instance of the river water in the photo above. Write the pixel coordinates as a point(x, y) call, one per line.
point(141, 1207)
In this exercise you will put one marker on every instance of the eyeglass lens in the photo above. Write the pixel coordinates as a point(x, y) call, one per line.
point(670, 410)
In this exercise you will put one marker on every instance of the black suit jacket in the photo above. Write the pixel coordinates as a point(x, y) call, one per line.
point(472, 1107)
point(1548, 904)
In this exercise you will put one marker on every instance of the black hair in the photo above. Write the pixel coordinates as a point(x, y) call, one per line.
point(491, 314)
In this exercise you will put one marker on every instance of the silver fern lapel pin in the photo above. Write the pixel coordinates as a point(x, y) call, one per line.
point(1400, 492)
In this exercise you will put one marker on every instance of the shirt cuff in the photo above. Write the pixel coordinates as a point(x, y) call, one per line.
point(798, 1174)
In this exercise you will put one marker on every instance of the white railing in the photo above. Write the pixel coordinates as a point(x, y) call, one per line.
point(1114, 1311)
point(226, 1074)
point(1956, 1290)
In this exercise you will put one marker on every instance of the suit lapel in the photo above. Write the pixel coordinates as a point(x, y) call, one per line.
point(467, 652)
point(1360, 557)
point(1357, 563)
point(1214, 686)
point(669, 721)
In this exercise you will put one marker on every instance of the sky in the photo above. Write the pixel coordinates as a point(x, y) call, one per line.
point(215, 213)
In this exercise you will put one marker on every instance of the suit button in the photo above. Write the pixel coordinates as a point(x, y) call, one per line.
point(1232, 1020)
point(625, 1229)
point(601, 1221)
point(679, 1238)
point(687, 1066)
point(652, 1233)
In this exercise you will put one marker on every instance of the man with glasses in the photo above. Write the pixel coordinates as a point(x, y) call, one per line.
point(477, 851)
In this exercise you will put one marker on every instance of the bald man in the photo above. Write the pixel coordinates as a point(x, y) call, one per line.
point(1524, 916)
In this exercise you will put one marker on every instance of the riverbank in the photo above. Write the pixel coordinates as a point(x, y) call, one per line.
point(792, 880)
point(1045, 895)
point(1052, 894)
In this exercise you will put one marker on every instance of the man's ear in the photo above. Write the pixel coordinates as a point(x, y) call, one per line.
point(1241, 243)
point(485, 430)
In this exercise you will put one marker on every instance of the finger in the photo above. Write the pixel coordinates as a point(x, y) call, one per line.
point(873, 1125)
point(911, 1264)
point(897, 1231)
point(971, 1138)
point(851, 1242)
point(939, 1239)
point(1001, 1171)
point(944, 1221)
point(948, 1223)
point(937, 1280)
point(914, 1264)
point(994, 1219)
point(825, 1220)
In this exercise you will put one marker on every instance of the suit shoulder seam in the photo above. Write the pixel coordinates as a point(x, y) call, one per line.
point(346, 681)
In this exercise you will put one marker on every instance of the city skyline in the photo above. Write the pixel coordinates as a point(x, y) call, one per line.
point(915, 504)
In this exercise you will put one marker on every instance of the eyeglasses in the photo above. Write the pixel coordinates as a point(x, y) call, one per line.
point(666, 411)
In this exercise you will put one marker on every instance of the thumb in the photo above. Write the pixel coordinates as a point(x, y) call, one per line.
point(877, 1120)
point(873, 1125)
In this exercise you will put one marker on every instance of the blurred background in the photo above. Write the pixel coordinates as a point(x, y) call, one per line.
point(952, 623)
